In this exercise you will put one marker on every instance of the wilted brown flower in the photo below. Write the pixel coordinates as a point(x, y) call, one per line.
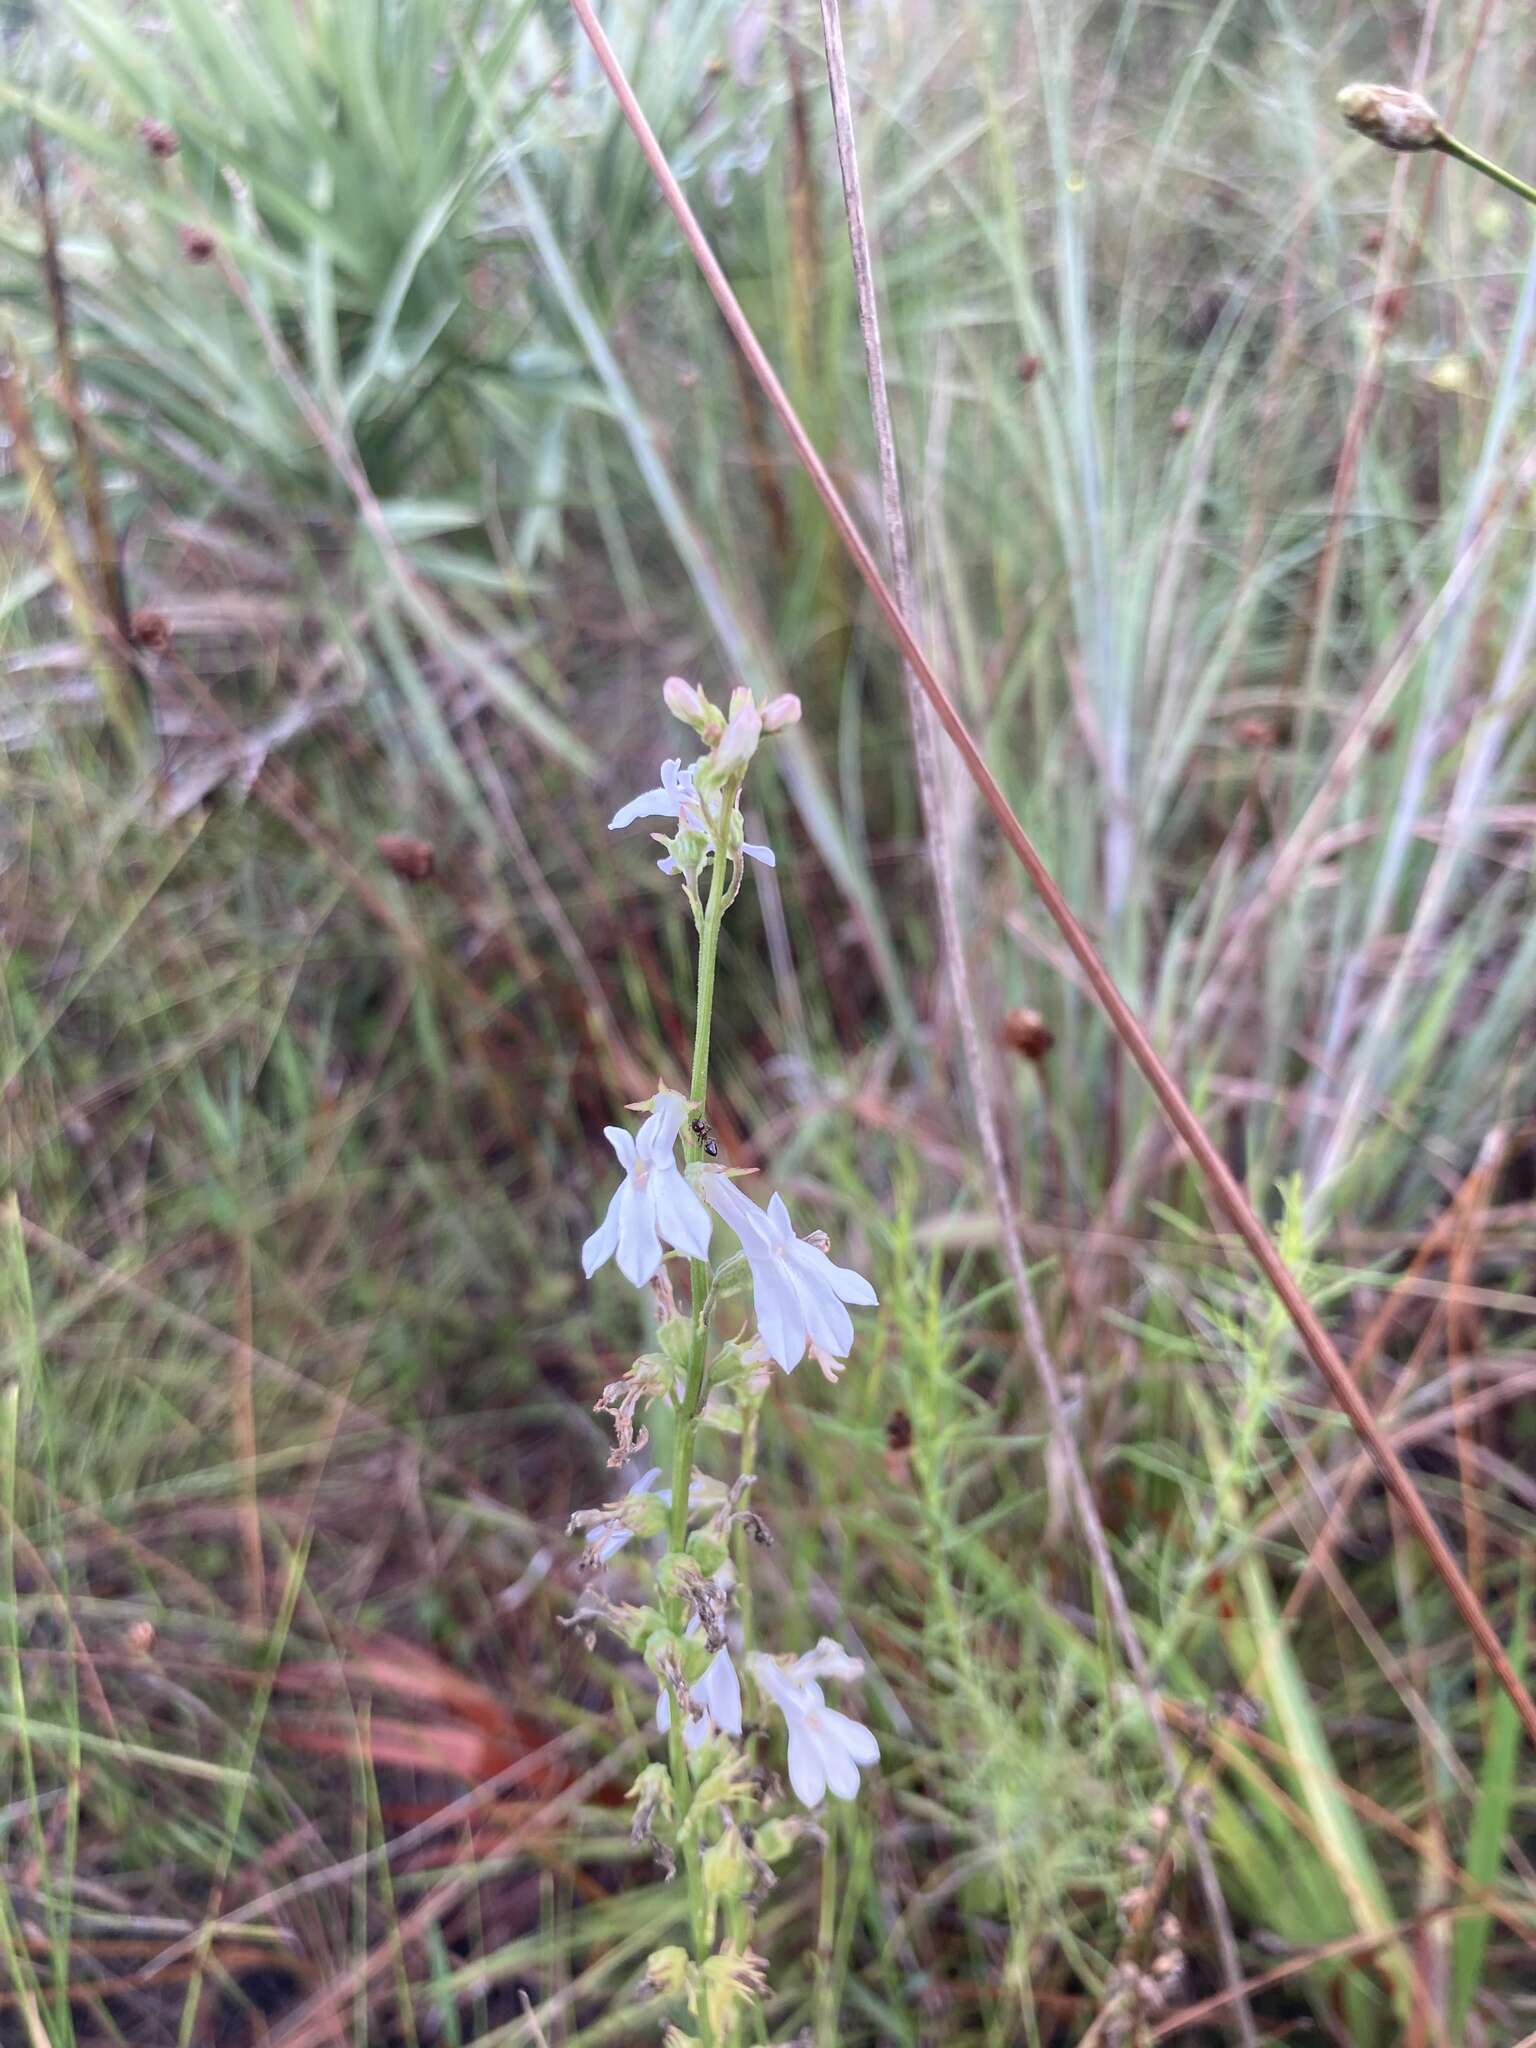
point(415, 860)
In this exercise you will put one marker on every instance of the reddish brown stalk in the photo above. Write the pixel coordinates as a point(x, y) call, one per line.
point(1221, 1182)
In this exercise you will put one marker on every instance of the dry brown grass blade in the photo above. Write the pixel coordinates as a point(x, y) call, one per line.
point(1220, 1181)
point(946, 889)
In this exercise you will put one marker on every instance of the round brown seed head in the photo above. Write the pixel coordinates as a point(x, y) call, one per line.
point(150, 630)
point(160, 140)
point(1028, 1033)
point(414, 860)
point(1391, 116)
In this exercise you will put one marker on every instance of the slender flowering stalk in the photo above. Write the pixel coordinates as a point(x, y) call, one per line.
point(707, 1809)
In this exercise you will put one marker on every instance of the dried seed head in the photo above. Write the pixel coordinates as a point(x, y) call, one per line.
point(1180, 420)
point(158, 139)
point(1389, 115)
point(150, 630)
point(1028, 1033)
point(1027, 369)
point(414, 860)
point(197, 245)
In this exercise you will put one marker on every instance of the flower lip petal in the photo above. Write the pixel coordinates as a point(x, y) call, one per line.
point(651, 803)
point(764, 855)
point(781, 1317)
point(827, 1322)
point(850, 1735)
point(807, 1769)
point(842, 1772)
point(681, 1217)
point(814, 1266)
point(721, 1691)
point(604, 1241)
point(639, 1249)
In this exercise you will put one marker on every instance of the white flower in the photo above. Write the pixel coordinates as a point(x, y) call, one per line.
point(826, 1748)
point(653, 1201)
point(828, 1660)
point(796, 1289)
point(716, 1697)
point(609, 1536)
point(678, 798)
point(610, 1529)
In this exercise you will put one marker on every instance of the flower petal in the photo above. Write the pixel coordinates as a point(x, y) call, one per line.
point(639, 1250)
point(812, 1264)
point(827, 1321)
point(720, 1689)
point(850, 1735)
point(681, 1217)
point(778, 1217)
point(658, 1134)
point(663, 1710)
point(764, 854)
point(604, 1241)
point(697, 1732)
point(653, 803)
point(622, 1143)
point(842, 1772)
point(742, 1214)
point(787, 1694)
point(807, 1770)
point(780, 1314)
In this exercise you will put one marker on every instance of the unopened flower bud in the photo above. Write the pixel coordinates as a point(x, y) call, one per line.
point(1391, 116)
point(689, 703)
point(739, 741)
point(779, 713)
point(666, 1971)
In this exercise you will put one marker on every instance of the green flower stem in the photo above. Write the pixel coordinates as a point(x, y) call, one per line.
point(698, 1088)
point(699, 1915)
point(1499, 175)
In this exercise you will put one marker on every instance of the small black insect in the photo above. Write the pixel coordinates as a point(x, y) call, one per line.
point(706, 1137)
